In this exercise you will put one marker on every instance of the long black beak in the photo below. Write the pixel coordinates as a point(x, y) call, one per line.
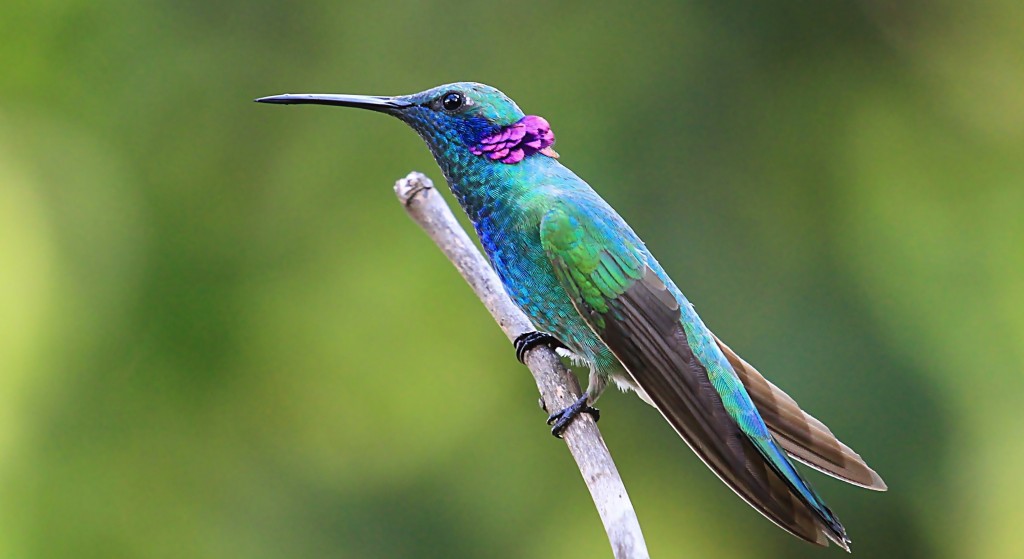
point(382, 104)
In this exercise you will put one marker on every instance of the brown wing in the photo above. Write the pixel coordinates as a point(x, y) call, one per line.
point(647, 336)
point(632, 311)
point(800, 435)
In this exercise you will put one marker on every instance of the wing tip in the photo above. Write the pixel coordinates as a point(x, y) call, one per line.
point(843, 543)
point(877, 484)
point(825, 536)
point(868, 480)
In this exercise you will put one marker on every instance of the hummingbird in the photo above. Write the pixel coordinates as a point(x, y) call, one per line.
point(597, 295)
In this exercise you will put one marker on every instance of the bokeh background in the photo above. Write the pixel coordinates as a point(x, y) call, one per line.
point(221, 337)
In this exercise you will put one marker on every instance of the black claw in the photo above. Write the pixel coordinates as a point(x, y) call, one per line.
point(526, 342)
point(562, 419)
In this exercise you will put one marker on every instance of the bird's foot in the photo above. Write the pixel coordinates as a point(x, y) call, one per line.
point(526, 342)
point(560, 420)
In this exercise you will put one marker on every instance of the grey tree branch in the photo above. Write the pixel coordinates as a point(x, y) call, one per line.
point(558, 386)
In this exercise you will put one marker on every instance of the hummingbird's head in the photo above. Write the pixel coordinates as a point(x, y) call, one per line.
point(458, 121)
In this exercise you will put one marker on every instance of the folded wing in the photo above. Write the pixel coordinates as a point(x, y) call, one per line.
point(632, 311)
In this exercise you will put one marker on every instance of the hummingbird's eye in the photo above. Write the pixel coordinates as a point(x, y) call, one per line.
point(452, 101)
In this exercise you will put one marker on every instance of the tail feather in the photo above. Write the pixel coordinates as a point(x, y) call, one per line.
point(802, 436)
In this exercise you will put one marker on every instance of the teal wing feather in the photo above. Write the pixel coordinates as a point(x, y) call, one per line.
point(639, 317)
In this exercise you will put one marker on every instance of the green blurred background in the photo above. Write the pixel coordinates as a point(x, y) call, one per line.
point(220, 336)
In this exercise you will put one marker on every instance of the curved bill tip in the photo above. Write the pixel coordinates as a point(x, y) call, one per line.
point(384, 104)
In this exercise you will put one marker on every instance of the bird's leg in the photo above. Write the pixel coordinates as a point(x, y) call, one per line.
point(559, 421)
point(529, 340)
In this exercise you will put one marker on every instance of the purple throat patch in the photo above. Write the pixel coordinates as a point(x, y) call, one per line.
point(512, 144)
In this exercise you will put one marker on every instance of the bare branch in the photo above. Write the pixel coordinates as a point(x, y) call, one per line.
point(558, 386)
